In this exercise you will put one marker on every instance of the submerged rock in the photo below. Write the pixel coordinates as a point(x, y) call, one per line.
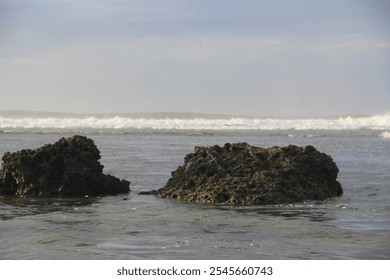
point(69, 167)
point(241, 174)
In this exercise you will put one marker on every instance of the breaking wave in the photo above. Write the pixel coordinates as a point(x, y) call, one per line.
point(385, 134)
point(376, 122)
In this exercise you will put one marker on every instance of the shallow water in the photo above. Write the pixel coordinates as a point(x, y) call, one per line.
point(353, 226)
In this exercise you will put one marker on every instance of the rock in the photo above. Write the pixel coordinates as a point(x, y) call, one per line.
point(69, 167)
point(241, 174)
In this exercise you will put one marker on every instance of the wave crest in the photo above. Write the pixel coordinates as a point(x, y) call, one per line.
point(385, 134)
point(377, 122)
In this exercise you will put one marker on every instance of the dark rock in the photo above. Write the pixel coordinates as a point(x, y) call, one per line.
point(241, 174)
point(69, 167)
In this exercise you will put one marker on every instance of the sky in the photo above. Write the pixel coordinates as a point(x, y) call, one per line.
point(239, 57)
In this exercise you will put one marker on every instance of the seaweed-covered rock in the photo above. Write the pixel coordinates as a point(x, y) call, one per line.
point(69, 167)
point(241, 174)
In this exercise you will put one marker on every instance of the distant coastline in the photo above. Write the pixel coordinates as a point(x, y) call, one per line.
point(135, 115)
point(161, 115)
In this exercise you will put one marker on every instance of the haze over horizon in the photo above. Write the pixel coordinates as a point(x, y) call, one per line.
point(225, 57)
point(11, 113)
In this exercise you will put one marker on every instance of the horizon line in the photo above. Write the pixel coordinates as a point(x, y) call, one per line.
point(17, 113)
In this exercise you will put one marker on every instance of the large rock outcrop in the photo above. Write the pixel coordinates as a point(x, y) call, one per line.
point(241, 174)
point(69, 167)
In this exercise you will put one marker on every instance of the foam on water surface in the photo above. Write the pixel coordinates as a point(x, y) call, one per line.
point(376, 122)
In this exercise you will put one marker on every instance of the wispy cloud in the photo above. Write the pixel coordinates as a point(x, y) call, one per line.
point(206, 56)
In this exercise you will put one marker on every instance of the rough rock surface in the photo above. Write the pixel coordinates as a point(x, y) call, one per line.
point(241, 174)
point(69, 167)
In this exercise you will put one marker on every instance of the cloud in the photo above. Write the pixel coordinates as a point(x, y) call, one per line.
point(67, 21)
point(207, 56)
point(220, 74)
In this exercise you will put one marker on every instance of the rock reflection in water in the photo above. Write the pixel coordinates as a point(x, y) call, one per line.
point(12, 207)
point(311, 212)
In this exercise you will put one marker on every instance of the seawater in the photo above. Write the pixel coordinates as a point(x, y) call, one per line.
point(132, 226)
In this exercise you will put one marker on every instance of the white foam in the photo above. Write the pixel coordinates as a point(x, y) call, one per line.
point(377, 122)
point(385, 134)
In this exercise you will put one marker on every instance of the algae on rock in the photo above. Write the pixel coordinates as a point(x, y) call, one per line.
point(241, 174)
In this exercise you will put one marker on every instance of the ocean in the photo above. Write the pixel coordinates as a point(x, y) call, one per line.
point(146, 148)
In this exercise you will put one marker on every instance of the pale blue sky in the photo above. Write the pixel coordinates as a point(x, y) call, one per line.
point(258, 57)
